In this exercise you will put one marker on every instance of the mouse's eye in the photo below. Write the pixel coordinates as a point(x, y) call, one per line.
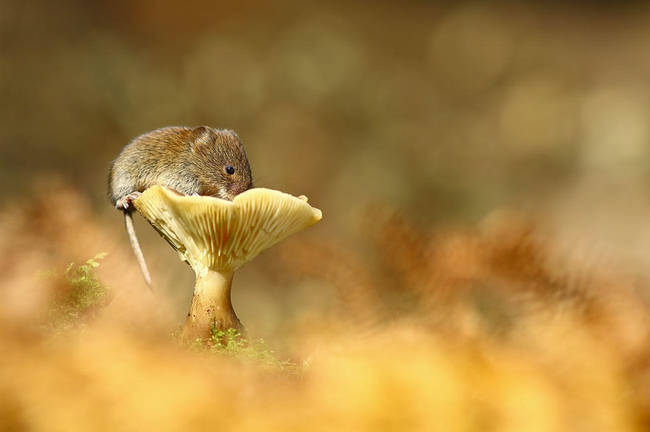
point(230, 170)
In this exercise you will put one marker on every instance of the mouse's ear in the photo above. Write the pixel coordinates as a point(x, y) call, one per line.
point(233, 136)
point(201, 136)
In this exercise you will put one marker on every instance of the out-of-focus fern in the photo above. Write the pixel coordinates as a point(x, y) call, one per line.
point(82, 295)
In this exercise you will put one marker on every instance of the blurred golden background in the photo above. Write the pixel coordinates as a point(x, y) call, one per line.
point(483, 171)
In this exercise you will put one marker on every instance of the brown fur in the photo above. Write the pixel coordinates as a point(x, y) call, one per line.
point(190, 161)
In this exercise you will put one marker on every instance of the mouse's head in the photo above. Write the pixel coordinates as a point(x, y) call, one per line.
point(220, 162)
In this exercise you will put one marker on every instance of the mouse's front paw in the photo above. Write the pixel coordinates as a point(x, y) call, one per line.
point(125, 202)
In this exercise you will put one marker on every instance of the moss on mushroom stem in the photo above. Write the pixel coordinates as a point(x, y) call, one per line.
point(216, 237)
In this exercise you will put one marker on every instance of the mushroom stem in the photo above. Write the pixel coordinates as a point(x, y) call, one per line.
point(211, 305)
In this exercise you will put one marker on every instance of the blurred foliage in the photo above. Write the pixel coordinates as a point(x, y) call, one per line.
point(82, 294)
point(490, 327)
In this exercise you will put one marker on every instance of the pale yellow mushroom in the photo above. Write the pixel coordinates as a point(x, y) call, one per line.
point(216, 237)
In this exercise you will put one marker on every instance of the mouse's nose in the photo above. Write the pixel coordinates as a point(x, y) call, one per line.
point(237, 188)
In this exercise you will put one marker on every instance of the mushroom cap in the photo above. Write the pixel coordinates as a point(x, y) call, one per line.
point(223, 235)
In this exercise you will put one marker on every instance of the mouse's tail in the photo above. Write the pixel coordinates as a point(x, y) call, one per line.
point(135, 245)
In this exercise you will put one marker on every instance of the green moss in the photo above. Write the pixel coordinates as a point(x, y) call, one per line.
point(82, 294)
point(231, 343)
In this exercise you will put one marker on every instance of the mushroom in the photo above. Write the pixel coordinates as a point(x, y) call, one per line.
point(216, 237)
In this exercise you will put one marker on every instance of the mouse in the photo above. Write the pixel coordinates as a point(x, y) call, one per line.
point(198, 161)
